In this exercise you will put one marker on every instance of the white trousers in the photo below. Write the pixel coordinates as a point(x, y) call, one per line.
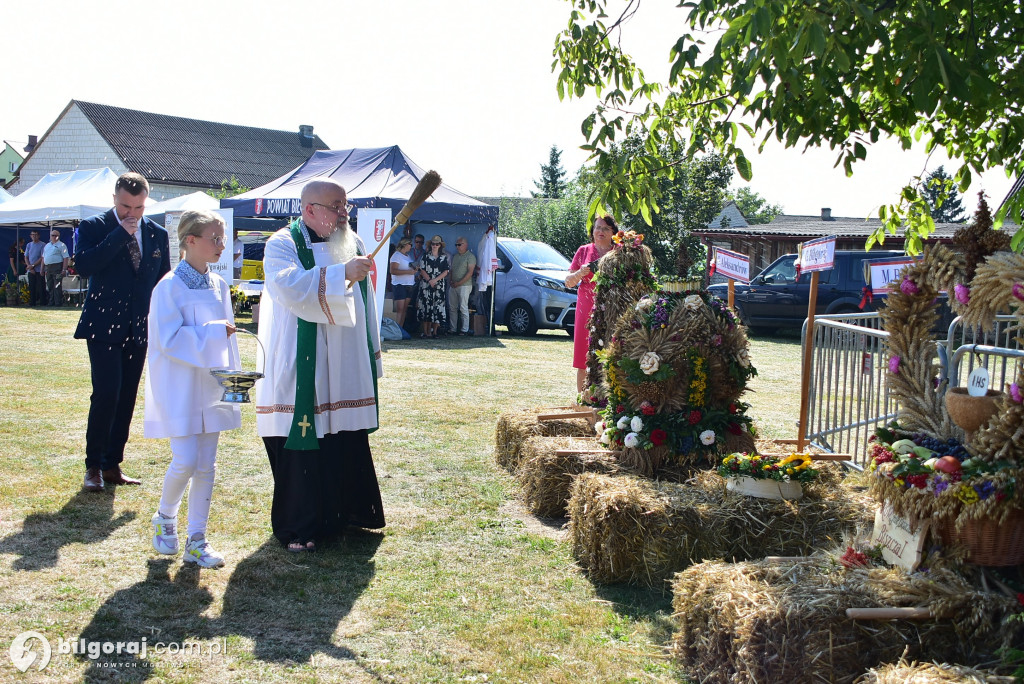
point(192, 458)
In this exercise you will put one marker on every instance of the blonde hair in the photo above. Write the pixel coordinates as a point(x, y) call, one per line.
point(403, 242)
point(193, 221)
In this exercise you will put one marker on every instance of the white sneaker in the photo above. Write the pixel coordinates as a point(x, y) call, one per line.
point(199, 551)
point(165, 534)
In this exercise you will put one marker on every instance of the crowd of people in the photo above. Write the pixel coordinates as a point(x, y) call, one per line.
point(42, 264)
point(432, 286)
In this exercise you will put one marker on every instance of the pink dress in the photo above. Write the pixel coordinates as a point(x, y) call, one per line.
point(584, 305)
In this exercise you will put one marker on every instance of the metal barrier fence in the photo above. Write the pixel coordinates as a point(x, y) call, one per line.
point(848, 393)
point(849, 396)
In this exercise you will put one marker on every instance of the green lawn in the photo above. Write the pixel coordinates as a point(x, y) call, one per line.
point(463, 585)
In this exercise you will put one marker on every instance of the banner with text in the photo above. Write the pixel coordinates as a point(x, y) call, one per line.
point(372, 226)
point(732, 265)
point(817, 255)
point(881, 272)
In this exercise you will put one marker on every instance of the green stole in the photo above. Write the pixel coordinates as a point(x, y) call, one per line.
point(302, 436)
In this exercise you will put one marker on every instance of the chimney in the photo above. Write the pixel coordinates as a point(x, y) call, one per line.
point(32, 141)
point(826, 214)
point(306, 131)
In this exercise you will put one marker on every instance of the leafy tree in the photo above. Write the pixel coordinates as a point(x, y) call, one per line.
point(691, 197)
point(552, 176)
point(839, 72)
point(228, 188)
point(561, 222)
point(754, 207)
point(941, 195)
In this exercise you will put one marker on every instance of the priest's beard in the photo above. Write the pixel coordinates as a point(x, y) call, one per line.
point(342, 244)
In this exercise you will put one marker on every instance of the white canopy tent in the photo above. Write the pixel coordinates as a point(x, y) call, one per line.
point(4, 196)
point(62, 198)
point(195, 200)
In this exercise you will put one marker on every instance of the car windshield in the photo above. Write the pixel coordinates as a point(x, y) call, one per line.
point(537, 255)
point(782, 272)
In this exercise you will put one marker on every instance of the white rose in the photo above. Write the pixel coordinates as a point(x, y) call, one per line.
point(693, 302)
point(644, 304)
point(636, 425)
point(606, 437)
point(649, 363)
point(743, 357)
point(707, 438)
point(623, 423)
point(632, 439)
point(599, 426)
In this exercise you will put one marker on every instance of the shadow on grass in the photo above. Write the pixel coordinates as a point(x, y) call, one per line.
point(290, 605)
point(87, 517)
point(651, 605)
point(157, 609)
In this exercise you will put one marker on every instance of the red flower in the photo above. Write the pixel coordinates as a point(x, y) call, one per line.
point(695, 417)
point(853, 559)
point(658, 437)
point(733, 408)
point(620, 409)
point(647, 409)
point(734, 428)
point(1020, 599)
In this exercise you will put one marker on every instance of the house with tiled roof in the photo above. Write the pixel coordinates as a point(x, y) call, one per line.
point(177, 155)
point(766, 242)
point(10, 159)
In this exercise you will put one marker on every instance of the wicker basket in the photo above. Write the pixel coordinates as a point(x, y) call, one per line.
point(988, 544)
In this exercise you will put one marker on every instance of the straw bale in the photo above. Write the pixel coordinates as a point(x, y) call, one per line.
point(786, 622)
point(545, 476)
point(514, 428)
point(930, 673)
point(627, 528)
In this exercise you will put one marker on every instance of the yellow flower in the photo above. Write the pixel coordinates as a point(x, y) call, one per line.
point(967, 495)
point(898, 482)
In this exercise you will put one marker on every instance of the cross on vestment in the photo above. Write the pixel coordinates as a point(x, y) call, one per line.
point(305, 424)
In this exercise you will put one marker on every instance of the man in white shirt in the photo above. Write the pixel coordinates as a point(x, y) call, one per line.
point(317, 403)
point(55, 266)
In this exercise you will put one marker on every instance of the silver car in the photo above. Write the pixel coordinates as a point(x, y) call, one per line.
point(529, 289)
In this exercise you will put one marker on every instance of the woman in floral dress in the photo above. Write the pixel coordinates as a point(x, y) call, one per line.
point(431, 302)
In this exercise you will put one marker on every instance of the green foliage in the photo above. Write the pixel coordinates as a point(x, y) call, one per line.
point(562, 222)
point(753, 207)
point(228, 188)
point(842, 73)
point(940, 193)
point(690, 197)
point(552, 176)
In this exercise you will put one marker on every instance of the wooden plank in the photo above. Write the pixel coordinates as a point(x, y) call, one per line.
point(889, 613)
point(565, 416)
point(805, 374)
point(785, 559)
point(570, 452)
point(831, 457)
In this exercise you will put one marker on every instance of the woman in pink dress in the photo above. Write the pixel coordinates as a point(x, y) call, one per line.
point(583, 267)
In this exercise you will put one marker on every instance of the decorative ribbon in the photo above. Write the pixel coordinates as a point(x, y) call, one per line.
point(868, 296)
point(302, 436)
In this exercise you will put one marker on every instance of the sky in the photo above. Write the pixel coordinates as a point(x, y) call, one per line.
point(462, 86)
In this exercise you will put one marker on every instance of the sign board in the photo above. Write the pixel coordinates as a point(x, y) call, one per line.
point(372, 225)
point(818, 255)
point(901, 546)
point(732, 265)
point(977, 382)
point(881, 272)
point(225, 266)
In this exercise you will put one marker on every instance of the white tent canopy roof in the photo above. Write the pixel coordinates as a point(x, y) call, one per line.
point(195, 200)
point(4, 196)
point(62, 197)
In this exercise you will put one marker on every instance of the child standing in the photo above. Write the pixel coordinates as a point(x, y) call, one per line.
point(191, 324)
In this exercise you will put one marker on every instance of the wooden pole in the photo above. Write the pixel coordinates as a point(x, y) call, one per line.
point(732, 292)
point(889, 613)
point(805, 377)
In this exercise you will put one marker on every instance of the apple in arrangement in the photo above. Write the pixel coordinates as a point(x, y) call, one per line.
point(947, 464)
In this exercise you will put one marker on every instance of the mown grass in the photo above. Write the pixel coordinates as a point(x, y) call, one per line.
point(462, 585)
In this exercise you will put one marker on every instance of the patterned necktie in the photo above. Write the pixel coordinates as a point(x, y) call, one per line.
point(134, 252)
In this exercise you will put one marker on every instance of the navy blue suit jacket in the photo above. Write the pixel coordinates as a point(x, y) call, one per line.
point(117, 306)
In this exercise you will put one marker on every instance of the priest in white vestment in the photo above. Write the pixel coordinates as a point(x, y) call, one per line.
point(318, 401)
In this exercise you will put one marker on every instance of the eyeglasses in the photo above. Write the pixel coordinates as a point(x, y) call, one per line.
point(419, 241)
point(435, 243)
point(336, 209)
point(459, 244)
point(219, 241)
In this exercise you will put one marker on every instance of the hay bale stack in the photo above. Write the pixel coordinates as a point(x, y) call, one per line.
point(930, 673)
point(786, 622)
point(627, 528)
point(545, 476)
point(513, 429)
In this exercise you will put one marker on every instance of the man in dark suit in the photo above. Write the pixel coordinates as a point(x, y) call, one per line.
point(123, 255)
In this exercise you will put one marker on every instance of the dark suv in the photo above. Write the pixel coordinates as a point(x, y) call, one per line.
point(775, 298)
